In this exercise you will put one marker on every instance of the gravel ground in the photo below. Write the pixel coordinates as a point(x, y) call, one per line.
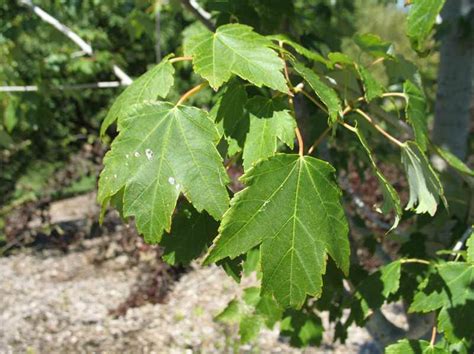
point(53, 303)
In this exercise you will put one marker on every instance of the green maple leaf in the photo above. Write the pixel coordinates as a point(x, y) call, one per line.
point(251, 313)
point(425, 186)
point(375, 289)
point(454, 161)
point(155, 83)
point(416, 113)
point(270, 121)
point(311, 55)
point(191, 234)
point(236, 49)
point(372, 88)
point(421, 19)
point(373, 44)
point(407, 346)
point(449, 289)
point(302, 328)
point(391, 200)
point(325, 93)
point(291, 206)
point(161, 151)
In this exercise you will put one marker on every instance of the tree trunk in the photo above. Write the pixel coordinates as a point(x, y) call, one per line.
point(451, 125)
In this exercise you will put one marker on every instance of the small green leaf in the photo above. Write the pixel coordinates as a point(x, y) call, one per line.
point(291, 206)
point(421, 19)
point(406, 346)
point(161, 151)
point(270, 121)
point(252, 262)
point(425, 186)
point(302, 328)
point(327, 95)
point(191, 234)
point(308, 54)
point(449, 288)
point(154, 83)
point(372, 88)
point(339, 58)
point(231, 314)
point(373, 44)
point(269, 309)
point(249, 327)
point(391, 200)
point(375, 289)
point(416, 113)
point(236, 49)
point(470, 247)
point(454, 161)
point(10, 116)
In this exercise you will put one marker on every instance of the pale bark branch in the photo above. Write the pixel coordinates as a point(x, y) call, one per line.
point(85, 47)
point(202, 15)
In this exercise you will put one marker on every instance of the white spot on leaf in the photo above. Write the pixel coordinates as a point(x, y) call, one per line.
point(149, 154)
point(136, 154)
point(171, 181)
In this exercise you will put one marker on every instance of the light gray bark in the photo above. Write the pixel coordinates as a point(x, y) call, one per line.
point(452, 115)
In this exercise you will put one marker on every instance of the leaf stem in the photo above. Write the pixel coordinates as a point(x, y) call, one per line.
point(433, 336)
point(299, 137)
point(395, 94)
point(318, 140)
point(192, 92)
point(378, 127)
point(378, 60)
point(175, 60)
point(315, 101)
point(287, 75)
point(414, 260)
point(349, 127)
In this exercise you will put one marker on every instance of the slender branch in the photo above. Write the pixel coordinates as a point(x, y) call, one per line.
point(349, 127)
point(376, 61)
point(315, 101)
point(378, 127)
point(287, 75)
point(299, 137)
point(460, 243)
point(319, 140)
point(395, 94)
point(85, 47)
point(46, 17)
point(191, 92)
point(202, 15)
point(69, 87)
point(175, 60)
point(433, 336)
point(414, 260)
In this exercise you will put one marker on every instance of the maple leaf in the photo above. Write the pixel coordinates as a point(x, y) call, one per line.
point(161, 151)
point(155, 83)
point(291, 206)
point(270, 121)
point(236, 49)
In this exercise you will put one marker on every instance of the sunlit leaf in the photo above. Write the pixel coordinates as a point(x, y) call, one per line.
point(291, 207)
point(236, 49)
point(161, 151)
